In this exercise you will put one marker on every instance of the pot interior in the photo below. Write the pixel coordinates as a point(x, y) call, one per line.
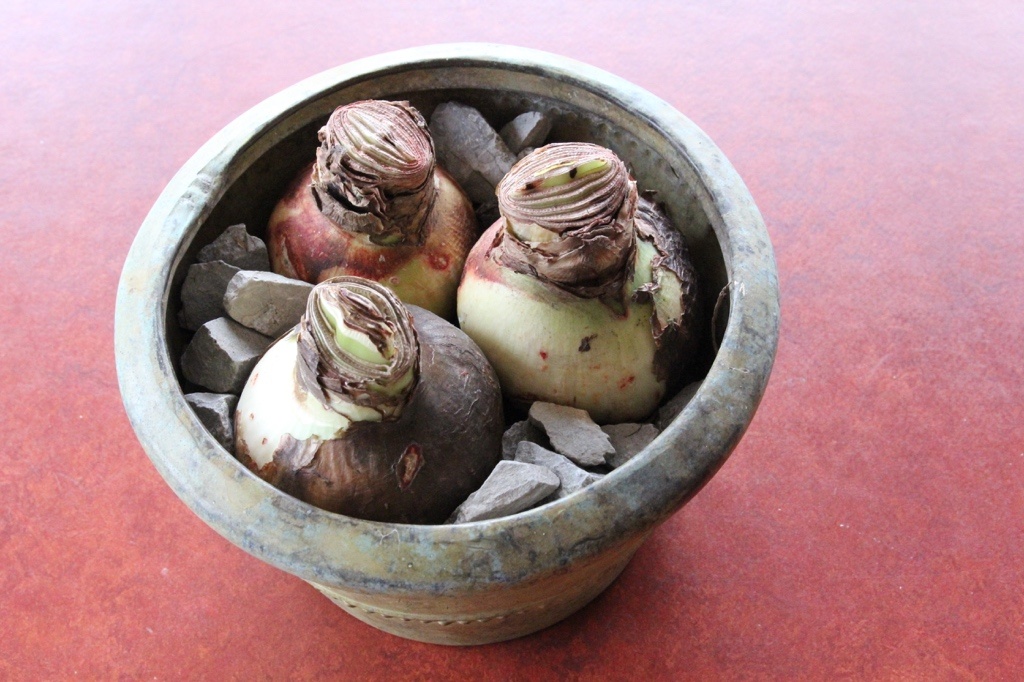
point(289, 144)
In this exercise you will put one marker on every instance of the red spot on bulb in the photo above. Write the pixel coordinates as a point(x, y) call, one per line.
point(543, 355)
point(408, 465)
point(626, 382)
point(439, 261)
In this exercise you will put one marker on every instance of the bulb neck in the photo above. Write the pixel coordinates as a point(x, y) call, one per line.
point(374, 171)
point(357, 346)
point(568, 211)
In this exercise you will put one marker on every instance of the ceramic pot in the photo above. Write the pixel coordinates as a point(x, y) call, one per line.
point(485, 581)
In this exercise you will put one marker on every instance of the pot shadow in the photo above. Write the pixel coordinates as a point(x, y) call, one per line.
point(652, 616)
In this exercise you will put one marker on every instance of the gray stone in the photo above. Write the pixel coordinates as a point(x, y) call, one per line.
point(628, 440)
point(525, 151)
point(202, 293)
point(519, 432)
point(572, 433)
point(469, 148)
point(476, 187)
point(677, 404)
point(529, 129)
point(235, 246)
point(269, 303)
point(487, 212)
point(216, 411)
point(571, 477)
point(222, 354)
point(511, 488)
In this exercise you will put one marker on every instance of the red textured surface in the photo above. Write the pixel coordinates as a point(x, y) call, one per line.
point(870, 524)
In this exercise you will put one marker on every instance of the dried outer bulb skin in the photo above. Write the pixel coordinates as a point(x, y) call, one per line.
point(353, 410)
point(375, 204)
point(582, 293)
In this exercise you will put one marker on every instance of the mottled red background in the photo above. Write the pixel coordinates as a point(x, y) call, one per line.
point(870, 524)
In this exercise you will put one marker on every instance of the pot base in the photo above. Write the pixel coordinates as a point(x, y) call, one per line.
point(469, 618)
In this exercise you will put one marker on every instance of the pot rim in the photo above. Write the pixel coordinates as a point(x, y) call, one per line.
point(337, 550)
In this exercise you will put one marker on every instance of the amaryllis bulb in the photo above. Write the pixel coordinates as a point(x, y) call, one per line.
point(582, 293)
point(374, 204)
point(353, 410)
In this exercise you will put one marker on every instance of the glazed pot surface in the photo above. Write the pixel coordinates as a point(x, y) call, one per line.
point(485, 581)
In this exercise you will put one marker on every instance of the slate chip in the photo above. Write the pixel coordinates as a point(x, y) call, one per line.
point(572, 433)
point(470, 149)
point(511, 488)
point(628, 440)
point(222, 354)
point(266, 302)
point(524, 152)
point(235, 246)
point(519, 432)
point(202, 293)
point(216, 411)
point(571, 477)
point(528, 129)
point(487, 212)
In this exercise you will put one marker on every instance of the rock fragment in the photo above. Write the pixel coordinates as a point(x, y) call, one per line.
point(528, 129)
point(571, 477)
point(628, 440)
point(518, 433)
point(479, 191)
point(235, 246)
point(269, 303)
point(525, 151)
point(202, 293)
point(469, 148)
point(216, 412)
point(511, 488)
point(677, 404)
point(572, 433)
point(487, 213)
point(221, 355)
